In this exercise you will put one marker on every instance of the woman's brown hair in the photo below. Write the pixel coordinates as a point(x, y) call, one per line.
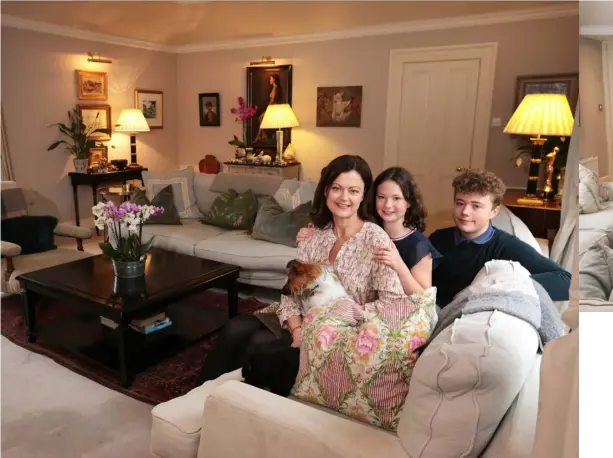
point(321, 215)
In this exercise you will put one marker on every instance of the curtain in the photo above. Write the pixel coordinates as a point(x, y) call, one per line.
point(7, 165)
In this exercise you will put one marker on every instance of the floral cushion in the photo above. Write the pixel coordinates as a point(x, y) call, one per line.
point(231, 210)
point(363, 368)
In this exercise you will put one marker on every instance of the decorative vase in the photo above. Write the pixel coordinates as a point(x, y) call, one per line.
point(130, 287)
point(129, 269)
point(80, 165)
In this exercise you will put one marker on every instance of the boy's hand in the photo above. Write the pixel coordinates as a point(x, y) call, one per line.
point(305, 233)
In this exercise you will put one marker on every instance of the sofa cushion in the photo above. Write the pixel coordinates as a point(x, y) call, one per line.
point(463, 384)
point(165, 199)
point(238, 248)
point(13, 203)
point(182, 182)
point(202, 191)
point(181, 239)
point(596, 270)
point(507, 221)
point(232, 210)
point(34, 234)
point(294, 193)
point(261, 185)
point(275, 225)
point(593, 226)
point(589, 192)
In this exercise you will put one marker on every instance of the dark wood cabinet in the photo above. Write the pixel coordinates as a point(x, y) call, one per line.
point(542, 220)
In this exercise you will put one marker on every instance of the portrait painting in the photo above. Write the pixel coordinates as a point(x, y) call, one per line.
point(567, 84)
point(339, 106)
point(209, 109)
point(97, 118)
point(151, 103)
point(92, 85)
point(266, 86)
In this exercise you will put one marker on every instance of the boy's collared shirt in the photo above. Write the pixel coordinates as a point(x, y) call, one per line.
point(483, 238)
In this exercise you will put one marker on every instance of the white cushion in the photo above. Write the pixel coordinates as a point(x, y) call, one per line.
point(182, 182)
point(506, 221)
point(204, 196)
point(596, 270)
point(293, 193)
point(176, 424)
point(464, 383)
point(589, 192)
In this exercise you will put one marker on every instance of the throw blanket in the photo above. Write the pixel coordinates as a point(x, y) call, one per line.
point(505, 286)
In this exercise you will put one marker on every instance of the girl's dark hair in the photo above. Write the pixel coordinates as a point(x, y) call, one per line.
point(279, 93)
point(321, 215)
point(415, 216)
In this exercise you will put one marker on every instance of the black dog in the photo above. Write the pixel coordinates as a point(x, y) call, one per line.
point(272, 367)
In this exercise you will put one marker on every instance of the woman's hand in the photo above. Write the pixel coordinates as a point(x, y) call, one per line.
point(296, 337)
point(305, 233)
point(390, 257)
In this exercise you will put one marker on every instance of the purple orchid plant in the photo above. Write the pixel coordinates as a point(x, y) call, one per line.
point(241, 114)
point(128, 217)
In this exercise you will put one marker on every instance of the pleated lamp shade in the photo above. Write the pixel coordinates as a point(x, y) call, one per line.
point(548, 115)
point(131, 120)
point(279, 116)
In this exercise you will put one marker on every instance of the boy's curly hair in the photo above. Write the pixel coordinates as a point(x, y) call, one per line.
point(480, 182)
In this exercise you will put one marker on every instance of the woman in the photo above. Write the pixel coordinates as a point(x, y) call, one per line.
point(342, 237)
point(275, 96)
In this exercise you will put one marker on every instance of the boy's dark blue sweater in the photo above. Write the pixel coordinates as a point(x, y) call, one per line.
point(462, 261)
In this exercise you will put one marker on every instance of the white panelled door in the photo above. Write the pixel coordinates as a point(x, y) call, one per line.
point(438, 119)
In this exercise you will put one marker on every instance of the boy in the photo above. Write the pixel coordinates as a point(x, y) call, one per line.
point(473, 241)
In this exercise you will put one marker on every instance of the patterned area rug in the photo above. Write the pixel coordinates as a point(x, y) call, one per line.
point(168, 379)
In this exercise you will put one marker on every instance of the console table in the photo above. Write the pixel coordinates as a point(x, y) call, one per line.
point(95, 179)
point(286, 171)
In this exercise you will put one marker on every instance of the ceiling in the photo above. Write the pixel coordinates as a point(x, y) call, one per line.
point(190, 23)
point(596, 19)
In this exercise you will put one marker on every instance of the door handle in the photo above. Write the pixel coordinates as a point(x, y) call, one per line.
point(461, 169)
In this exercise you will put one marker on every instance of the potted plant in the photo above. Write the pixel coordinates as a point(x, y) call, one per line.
point(241, 114)
point(80, 136)
point(125, 247)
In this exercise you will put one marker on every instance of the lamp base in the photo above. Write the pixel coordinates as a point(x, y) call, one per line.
point(530, 201)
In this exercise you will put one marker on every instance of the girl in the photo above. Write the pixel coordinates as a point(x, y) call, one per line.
point(395, 202)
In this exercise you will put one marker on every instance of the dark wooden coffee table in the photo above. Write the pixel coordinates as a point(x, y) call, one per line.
point(92, 288)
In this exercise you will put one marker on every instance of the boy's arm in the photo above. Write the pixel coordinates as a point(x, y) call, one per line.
point(551, 275)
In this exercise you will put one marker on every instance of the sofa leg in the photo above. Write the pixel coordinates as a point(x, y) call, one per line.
point(80, 244)
point(10, 268)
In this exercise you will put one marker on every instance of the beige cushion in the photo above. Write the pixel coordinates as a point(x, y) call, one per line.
point(176, 424)
point(508, 222)
point(596, 270)
point(182, 182)
point(202, 191)
point(261, 185)
point(181, 239)
point(589, 192)
point(238, 248)
point(464, 383)
point(593, 227)
point(30, 262)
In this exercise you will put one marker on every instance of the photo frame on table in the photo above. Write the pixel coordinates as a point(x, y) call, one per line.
point(266, 85)
point(92, 85)
point(210, 113)
point(98, 156)
point(563, 83)
point(151, 103)
point(97, 117)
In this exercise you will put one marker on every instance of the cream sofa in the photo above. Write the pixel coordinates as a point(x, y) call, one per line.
point(487, 403)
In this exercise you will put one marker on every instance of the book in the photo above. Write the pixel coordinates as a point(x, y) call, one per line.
point(158, 325)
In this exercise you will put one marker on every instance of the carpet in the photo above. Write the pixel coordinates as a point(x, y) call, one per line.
point(168, 379)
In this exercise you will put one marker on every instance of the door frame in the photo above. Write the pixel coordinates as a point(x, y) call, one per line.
point(607, 77)
point(486, 52)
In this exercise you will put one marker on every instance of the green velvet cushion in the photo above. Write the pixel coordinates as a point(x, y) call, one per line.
point(231, 210)
point(274, 224)
point(165, 199)
point(34, 234)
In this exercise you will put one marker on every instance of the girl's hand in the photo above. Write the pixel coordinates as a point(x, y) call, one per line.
point(305, 233)
point(297, 337)
point(390, 257)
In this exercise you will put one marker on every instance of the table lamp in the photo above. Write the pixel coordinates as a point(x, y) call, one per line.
point(279, 116)
point(132, 121)
point(541, 115)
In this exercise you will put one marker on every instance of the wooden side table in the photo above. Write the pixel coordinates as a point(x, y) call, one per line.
point(286, 171)
point(542, 220)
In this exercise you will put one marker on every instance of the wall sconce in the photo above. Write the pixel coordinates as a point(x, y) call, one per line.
point(266, 60)
point(95, 57)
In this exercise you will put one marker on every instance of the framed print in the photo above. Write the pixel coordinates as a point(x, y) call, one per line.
point(92, 85)
point(151, 103)
point(209, 109)
point(339, 106)
point(98, 156)
point(97, 117)
point(566, 83)
point(267, 85)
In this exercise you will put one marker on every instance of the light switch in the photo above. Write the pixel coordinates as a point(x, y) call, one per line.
point(496, 122)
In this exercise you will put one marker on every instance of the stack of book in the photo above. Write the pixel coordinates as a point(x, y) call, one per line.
point(144, 326)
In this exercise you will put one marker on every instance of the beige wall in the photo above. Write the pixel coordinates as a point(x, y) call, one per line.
point(535, 47)
point(38, 88)
point(592, 136)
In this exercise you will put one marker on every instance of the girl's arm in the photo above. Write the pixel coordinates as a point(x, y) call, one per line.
point(419, 278)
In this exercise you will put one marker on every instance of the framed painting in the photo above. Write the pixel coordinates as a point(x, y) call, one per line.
point(265, 86)
point(97, 117)
point(98, 156)
point(210, 113)
point(151, 103)
point(92, 85)
point(565, 83)
point(339, 106)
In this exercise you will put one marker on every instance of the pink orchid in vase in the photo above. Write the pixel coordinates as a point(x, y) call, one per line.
point(241, 114)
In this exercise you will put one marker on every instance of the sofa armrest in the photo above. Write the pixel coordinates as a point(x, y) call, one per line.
point(70, 230)
point(9, 249)
point(241, 421)
point(544, 245)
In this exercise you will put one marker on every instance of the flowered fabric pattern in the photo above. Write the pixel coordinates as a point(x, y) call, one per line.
point(231, 210)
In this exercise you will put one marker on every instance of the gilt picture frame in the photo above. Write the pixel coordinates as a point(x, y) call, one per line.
point(92, 85)
point(97, 117)
point(151, 103)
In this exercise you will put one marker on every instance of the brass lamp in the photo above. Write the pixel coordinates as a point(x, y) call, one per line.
point(132, 121)
point(279, 116)
point(541, 115)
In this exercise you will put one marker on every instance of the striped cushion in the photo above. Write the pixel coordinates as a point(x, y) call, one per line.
point(362, 369)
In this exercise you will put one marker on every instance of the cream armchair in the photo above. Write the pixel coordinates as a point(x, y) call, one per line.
point(15, 264)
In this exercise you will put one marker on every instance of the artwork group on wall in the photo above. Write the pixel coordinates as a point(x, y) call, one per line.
point(151, 103)
point(339, 106)
point(210, 114)
point(265, 86)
